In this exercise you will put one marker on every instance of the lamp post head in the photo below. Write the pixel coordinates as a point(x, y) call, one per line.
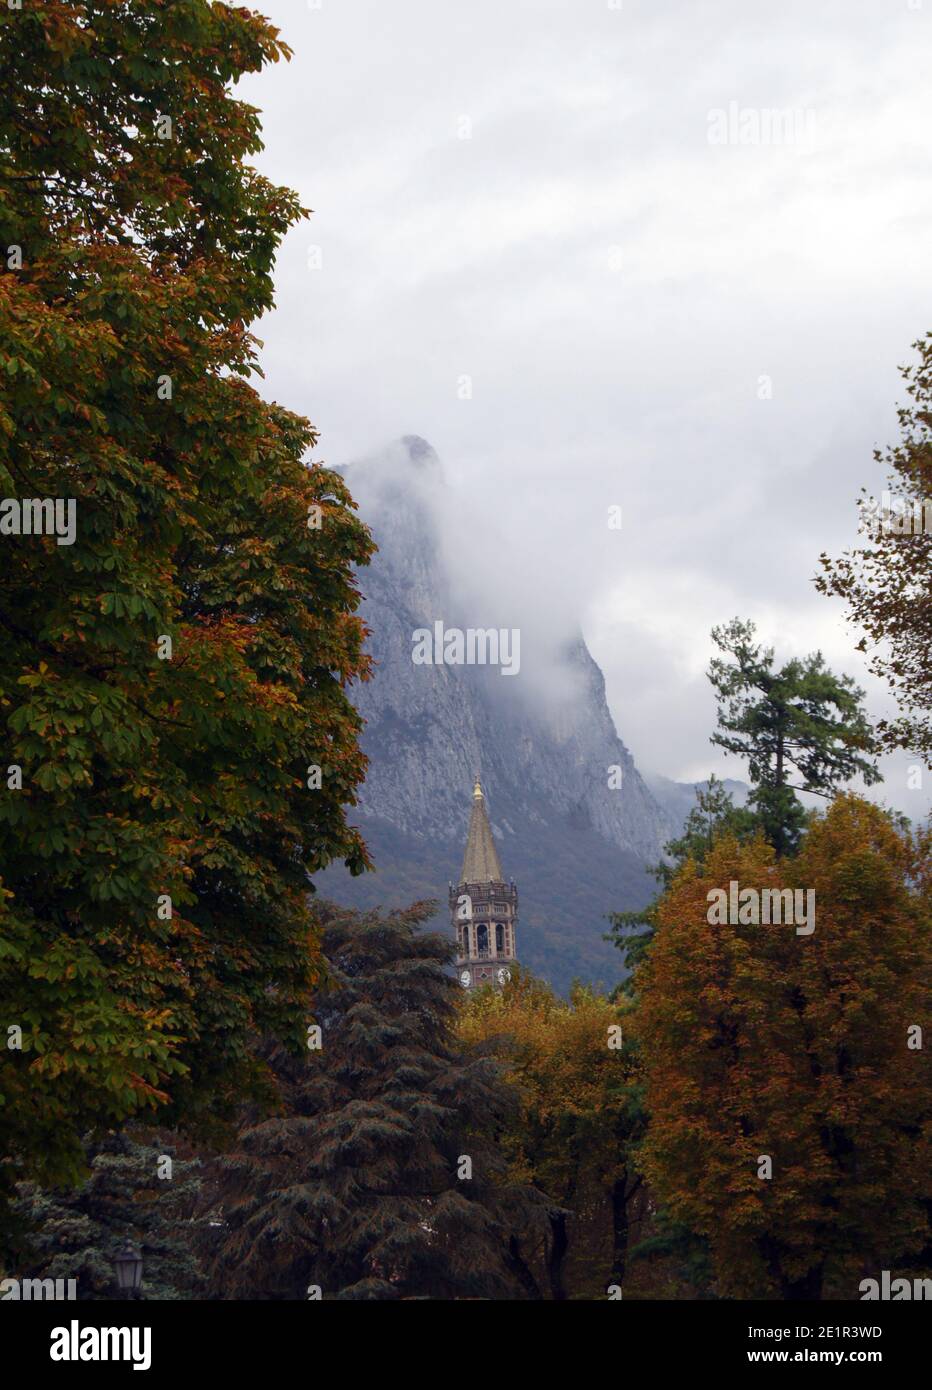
point(128, 1268)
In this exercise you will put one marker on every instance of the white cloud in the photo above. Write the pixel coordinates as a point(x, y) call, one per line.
point(615, 287)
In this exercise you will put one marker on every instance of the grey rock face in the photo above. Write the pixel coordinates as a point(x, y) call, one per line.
point(545, 749)
point(574, 821)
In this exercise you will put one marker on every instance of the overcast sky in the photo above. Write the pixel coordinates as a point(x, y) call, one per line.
point(661, 300)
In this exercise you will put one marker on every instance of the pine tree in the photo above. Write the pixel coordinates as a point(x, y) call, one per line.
point(381, 1177)
point(801, 720)
point(131, 1195)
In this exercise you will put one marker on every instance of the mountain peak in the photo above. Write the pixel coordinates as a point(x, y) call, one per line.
point(421, 454)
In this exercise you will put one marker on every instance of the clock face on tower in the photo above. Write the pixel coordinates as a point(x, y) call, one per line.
point(464, 979)
point(504, 975)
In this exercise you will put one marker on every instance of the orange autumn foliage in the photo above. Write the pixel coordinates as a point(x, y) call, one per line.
point(760, 1042)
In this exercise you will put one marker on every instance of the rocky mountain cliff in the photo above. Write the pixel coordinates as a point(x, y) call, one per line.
point(575, 823)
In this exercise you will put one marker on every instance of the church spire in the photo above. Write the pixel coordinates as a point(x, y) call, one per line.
point(480, 862)
point(483, 907)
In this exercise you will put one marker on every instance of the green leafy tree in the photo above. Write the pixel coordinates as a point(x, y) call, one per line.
point(799, 721)
point(176, 744)
point(887, 582)
point(381, 1177)
point(130, 1195)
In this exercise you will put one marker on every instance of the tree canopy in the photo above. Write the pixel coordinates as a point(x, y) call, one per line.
point(799, 721)
point(887, 581)
point(178, 750)
point(381, 1176)
point(759, 1044)
point(574, 1133)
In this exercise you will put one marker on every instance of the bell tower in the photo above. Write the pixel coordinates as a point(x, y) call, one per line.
point(483, 907)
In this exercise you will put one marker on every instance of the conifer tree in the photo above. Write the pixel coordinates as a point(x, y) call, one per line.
point(138, 1190)
point(799, 721)
point(381, 1177)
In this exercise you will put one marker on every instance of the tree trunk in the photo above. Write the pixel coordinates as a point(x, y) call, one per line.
point(519, 1269)
point(558, 1246)
point(619, 1230)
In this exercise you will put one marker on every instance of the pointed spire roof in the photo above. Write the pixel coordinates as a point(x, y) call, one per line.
point(480, 862)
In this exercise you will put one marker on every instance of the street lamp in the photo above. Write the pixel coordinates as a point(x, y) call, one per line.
point(129, 1271)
